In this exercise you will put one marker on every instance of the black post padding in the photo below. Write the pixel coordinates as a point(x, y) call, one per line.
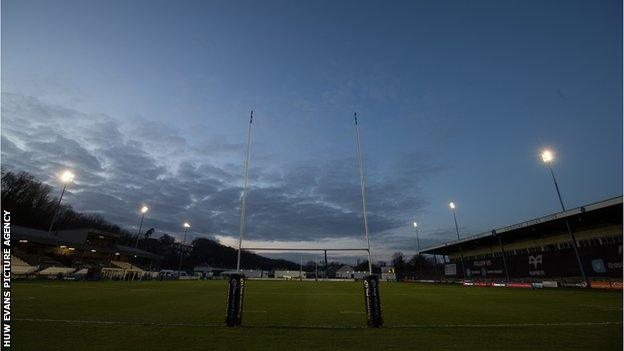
point(234, 309)
point(374, 317)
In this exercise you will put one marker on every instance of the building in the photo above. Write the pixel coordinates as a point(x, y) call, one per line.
point(541, 248)
point(345, 272)
point(388, 274)
point(359, 275)
point(248, 273)
point(283, 274)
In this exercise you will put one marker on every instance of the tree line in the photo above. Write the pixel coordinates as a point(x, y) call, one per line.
point(416, 267)
point(33, 206)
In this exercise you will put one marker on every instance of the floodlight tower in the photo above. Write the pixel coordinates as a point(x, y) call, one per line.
point(66, 177)
point(186, 228)
point(415, 225)
point(548, 157)
point(461, 255)
point(143, 211)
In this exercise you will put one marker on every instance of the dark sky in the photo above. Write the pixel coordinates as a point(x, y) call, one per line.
point(148, 102)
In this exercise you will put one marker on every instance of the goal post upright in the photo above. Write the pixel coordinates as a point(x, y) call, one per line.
point(372, 298)
point(363, 192)
point(241, 230)
point(236, 284)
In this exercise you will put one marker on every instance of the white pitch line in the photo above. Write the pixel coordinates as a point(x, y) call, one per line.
point(115, 322)
point(603, 308)
point(507, 325)
point(413, 326)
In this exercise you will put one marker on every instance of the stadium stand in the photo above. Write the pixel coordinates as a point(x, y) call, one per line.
point(80, 253)
point(540, 250)
point(20, 267)
point(40, 260)
point(55, 271)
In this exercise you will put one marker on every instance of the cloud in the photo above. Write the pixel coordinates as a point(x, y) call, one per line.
point(119, 167)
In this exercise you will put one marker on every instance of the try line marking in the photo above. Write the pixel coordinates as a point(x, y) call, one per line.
point(412, 326)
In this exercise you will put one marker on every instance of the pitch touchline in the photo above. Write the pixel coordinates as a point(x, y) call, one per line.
point(413, 326)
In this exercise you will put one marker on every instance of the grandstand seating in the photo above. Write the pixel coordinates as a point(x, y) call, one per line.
point(16, 261)
point(23, 270)
point(56, 271)
point(21, 267)
point(40, 260)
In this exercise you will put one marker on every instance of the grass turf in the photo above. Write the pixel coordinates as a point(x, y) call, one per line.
point(289, 315)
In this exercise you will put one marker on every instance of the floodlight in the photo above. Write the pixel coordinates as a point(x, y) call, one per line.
point(547, 156)
point(67, 176)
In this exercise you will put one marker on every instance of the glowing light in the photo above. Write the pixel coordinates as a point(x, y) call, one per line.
point(23, 241)
point(548, 156)
point(92, 250)
point(415, 224)
point(67, 176)
point(71, 249)
point(452, 205)
point(63, 247)
point(144, 209)
point(116, 253)
point(186, 225)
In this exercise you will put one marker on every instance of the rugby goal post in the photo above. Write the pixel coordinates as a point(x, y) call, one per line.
point(236, 284)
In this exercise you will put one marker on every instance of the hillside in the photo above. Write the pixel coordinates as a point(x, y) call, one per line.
point(33, 206)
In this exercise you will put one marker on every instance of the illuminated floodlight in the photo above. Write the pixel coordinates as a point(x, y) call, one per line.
point(415, 224)
point(67, 176)
point(187, 225)
point(547, 156)
point(92, 250)
point(452, 205)
point(144, 209)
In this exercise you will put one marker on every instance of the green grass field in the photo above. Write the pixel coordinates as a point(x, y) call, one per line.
point(289, 315)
